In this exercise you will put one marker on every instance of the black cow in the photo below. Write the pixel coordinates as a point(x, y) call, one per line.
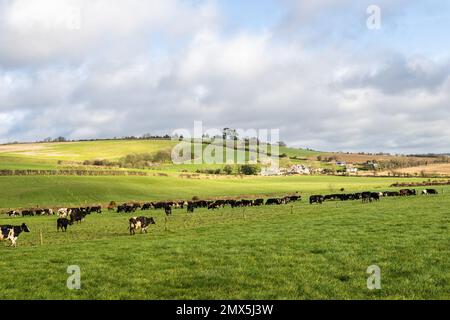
point(77, 216)
point(147, 206)
point(190, 207)
point(168, 210)
point(213, 206)
point(142, 223)
point(258, 202)
point(407, 192)
point(62, 224)
point(27, 213)
point(316, 199)
point(273, 201)
point(11, 233)
point(127, 208)
point(332, 197)
point(97, 209)
point(391, 194)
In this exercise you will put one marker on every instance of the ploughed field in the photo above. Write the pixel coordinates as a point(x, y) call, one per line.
point(294, 251)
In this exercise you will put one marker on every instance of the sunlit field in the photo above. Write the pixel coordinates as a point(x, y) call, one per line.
point(284, 252)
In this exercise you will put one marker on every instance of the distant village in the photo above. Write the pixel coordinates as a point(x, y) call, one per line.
point(300, 169)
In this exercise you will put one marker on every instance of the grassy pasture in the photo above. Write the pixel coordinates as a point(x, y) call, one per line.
point(29, 191)
point(311, 252)
point(46, 155)
point(86, 150)
point(280, 252)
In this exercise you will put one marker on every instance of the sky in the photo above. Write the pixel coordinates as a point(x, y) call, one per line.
point(312, 69)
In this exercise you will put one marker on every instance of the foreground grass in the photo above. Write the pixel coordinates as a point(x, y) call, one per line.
point(53, 191)
point(299, 252)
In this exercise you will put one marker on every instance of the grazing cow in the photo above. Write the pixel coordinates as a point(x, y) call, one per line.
point(332, 197)
point(62, 224)
point(77, 215)
point(213, 205)
point(97, 209)
point(391, 194)
point(273, 201)
point(49, 212)
point(147, 206)
point(39, 212)
point(370, 196)
point(11, 233)
point(258, 202)
point(142, 223)
point(316, 199)
point(407, 192)
point(375, 196)
point(190, 207)
point(429, 191)
point(13, 213)
point(127, 208)
point(27, 213)
point(112, 206)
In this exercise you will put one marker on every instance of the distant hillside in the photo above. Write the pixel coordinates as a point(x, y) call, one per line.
point(49, 155)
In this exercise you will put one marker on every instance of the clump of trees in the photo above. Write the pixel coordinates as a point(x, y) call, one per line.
point(143, 160)
point(209, 171)
point(249, 169)
point(136, 161)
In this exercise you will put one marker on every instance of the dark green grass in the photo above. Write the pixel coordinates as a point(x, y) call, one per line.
point(299, 252)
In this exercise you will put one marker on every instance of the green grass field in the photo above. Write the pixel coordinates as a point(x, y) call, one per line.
point(299, 252)
point(283, 252)
point(30, 191)
point(47, 155)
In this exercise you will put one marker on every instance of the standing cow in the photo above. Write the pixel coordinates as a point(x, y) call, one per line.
point(11, 233)
point(63, 223)
point(142, 223)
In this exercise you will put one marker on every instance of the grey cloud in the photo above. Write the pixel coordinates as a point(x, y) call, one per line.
point(398, 75)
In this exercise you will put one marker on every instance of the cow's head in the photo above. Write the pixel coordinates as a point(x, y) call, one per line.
point(25, 228)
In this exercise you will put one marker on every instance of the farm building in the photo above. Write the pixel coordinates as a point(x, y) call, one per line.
point(299, 169)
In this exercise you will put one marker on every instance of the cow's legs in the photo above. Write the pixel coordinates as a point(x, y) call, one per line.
point(13, 242)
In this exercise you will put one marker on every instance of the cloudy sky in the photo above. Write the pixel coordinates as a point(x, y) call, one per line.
point(313, 69)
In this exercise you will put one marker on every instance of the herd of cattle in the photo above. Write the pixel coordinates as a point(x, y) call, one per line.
point(368, 196)
point(69, 216)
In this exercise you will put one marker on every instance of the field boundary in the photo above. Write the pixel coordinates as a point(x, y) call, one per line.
point(13, 172)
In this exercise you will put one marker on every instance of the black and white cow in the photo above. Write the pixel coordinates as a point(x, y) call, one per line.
point(429, 191)
point(13, 213)
point(64, 213)
point(142, 223)
point(11, 233)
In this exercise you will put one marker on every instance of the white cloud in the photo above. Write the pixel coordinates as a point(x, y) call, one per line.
point(152, 66)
